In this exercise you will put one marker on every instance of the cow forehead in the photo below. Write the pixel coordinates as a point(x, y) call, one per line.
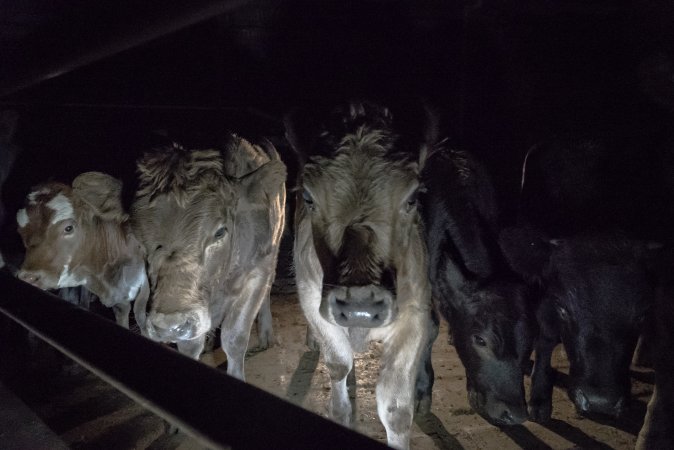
point(62, 207)
point(346, 174)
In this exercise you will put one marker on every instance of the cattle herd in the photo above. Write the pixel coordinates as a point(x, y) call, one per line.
point(393, 228)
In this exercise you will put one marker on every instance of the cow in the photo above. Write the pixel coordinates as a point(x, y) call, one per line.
point(360, 259)
point(79, 235)
point(575, 239)
point(657, 431)
point(486, 305)
point(211, 223)
point(597, 289)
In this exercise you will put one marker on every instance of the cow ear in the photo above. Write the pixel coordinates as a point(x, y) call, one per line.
point(266, 181)
point(526, 250)
point(102, 193)
point(418, 126)
point(454, 279)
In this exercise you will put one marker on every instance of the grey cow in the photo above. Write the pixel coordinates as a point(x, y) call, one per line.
point(360, 259)
point(211, 223)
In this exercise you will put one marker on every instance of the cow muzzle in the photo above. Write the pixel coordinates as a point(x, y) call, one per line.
point(496, 411)
point(590, 401)
point(359, 306)
point(37, 278)
point(178, 326)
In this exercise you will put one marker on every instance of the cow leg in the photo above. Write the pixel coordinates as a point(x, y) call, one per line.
point(193, 347)
point(312, 341)
point(265, 332)
point(426, 376)
point(338, 358)
point(396, 387)
point(542, 379)
point(235, 329)
point(122, 311)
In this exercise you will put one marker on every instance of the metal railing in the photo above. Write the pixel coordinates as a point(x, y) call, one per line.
point(216, 409)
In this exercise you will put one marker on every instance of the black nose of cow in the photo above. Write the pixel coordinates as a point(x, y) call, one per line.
point(588, 401)
point(28, 276)
point(359, 306)
point(505, 414)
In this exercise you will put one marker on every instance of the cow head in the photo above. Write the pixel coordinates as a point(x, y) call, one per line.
point(598, 290)
point(58, 226)
point(185, 216)
point(491, 327)
point(357, 223)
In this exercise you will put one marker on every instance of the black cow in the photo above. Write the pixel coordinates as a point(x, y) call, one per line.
point(658, 429)
point(597, 290)
point(485, 306)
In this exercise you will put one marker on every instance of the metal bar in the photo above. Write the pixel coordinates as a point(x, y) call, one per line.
point(112, 27)
point(204, 402)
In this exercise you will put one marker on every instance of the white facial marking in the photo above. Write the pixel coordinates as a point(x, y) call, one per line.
point(33, 196)
point(22, 218)
point(62, 207)
point(67, 279)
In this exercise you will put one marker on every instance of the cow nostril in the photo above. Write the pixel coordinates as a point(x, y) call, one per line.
point(29, 277)
point(582, 402)
point(507, 417)
point(379, 303)
point(375, 318)
point(340, 302)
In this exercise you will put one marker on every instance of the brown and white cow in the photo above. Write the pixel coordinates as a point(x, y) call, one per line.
point(360, 257)
point(79, 235)
point(211, 222)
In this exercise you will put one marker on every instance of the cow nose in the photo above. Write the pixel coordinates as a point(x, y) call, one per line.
point(28, 276)
point(510, 416)
point(173, 326)
point(588, 402)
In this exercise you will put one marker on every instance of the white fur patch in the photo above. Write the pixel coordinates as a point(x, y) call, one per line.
point(62, 207)
point(22, 218)
point(33, 196)
point(67, 279)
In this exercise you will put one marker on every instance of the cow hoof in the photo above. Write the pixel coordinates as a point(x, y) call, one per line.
point(423, 406)
point(312, 342)
point(540, 412)
point(263, 343)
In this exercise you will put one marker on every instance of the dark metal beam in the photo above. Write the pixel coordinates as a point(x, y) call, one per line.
point(217, 409)
point(92, 31)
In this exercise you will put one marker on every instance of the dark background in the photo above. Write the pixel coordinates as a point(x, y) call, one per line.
point(503, 74)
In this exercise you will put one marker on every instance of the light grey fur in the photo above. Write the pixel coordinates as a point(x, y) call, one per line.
point(203, 279)
point(363, 185)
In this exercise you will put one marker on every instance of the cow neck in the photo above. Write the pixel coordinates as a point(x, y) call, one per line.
point(106, 246)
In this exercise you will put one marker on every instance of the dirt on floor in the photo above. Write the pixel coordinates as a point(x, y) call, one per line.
point(87, 413)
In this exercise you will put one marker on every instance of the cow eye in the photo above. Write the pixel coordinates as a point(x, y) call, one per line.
point(220, 232)
point(308, 199)
point(563, 313)
point(479, 340)
point(412, 199)
point(68, 229)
